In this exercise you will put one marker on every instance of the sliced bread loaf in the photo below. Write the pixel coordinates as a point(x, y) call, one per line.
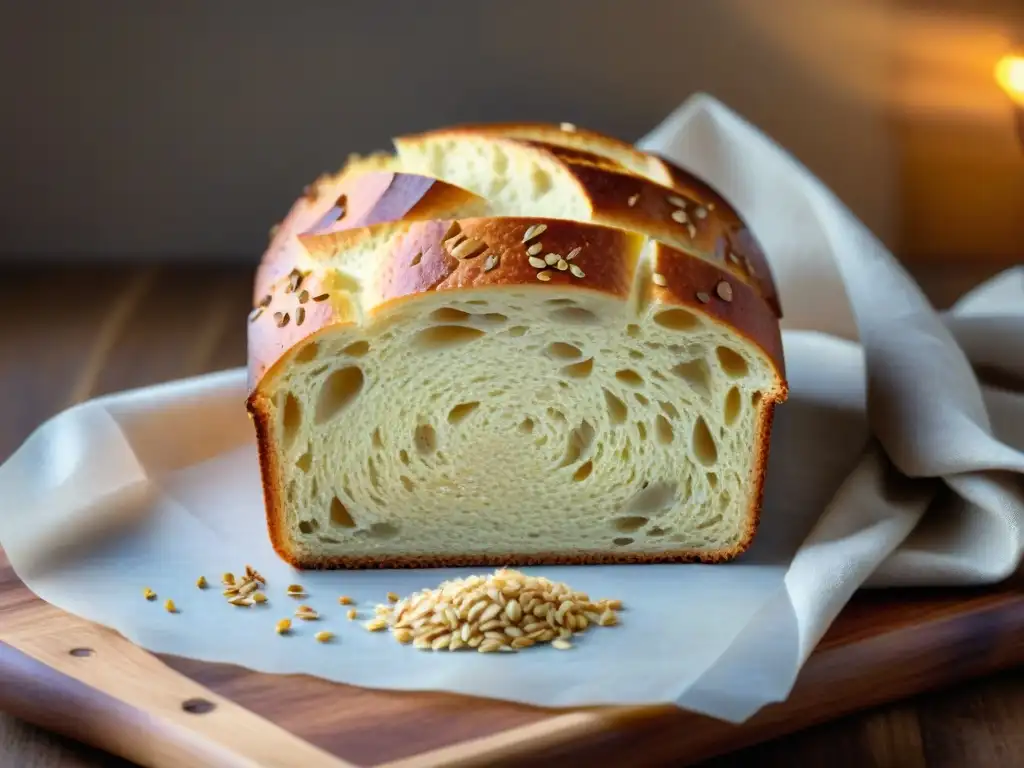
point(457, 388)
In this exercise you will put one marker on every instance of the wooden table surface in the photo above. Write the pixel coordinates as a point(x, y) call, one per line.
point(69, 333)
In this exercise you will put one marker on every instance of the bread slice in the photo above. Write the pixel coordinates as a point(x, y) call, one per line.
point(431, 400)
point(367, 190)
point(579, 176)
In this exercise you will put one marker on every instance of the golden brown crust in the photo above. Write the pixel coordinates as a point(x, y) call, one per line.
point(688, 213)
point(258, 407)
point(574, 143)
point(741, 239)
point(419, 258)
point(357, 198)
point(580, 146)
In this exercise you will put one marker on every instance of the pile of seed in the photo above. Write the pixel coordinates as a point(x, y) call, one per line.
point(242, 591)
point(505, 611)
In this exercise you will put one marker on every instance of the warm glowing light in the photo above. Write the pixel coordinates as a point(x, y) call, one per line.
point(1010, 74)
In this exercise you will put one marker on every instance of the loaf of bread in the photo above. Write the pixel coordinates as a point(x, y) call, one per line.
point(512, 345)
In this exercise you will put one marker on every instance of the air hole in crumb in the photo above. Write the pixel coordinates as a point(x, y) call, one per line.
point(403, 456)
point(723, 500)
point(560, 302)
point(575, 315)
point(623, 541)
point(307, 527)
point(340, 517)
point(371, 469)
point(580, 440)
point(314, 488)
point(658, 375)
point(383, 530)
point(407, 483)
point(308, 353)
point(517, 330)
point(711, 522)
point(477, 302)
point(642, 429)
point(579, 370)
point(624, 454)
point(677, 320)
point(712, 479)
point(327, 540)
point(629, 524)
point(338, 390)
point(696, 374)
point(318, 370)
point(449, 315)
point(340, 281)
point(755, 399)
point(733, 403)
point(664, 430)
point(556, 415)
point(669, 409)
point(291, 419)
point(617, 410)
point(652, 498)
point(377, 440)
point(633, 331)
point(583, 472)
point(356, 349)
point(533, 535)
point(704, 447)
point(305, 461)
point(641, 399)
point(446, 336)
point(636, 354)
point(461, 411)
point(425, 439)
point(656, 531)
point(541, 181)
point(630, 377)
point(732, 362)
point(416, 259)
point(563, 350)
point(495, 317)
point(526, 426)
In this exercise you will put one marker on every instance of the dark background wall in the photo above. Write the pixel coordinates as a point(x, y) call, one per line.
point(184, 128)
point(152, 128)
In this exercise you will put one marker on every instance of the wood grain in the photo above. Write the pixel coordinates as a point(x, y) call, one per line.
point(885, 645)
point(186, 723)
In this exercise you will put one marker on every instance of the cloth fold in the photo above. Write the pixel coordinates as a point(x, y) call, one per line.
point(927, 408)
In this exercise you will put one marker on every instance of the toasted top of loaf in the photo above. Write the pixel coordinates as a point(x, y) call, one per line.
point(350, 275)
point(518, 167)
point(360, 195)
point(386, 228)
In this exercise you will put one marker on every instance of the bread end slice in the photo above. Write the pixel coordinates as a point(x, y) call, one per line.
point(615, 413)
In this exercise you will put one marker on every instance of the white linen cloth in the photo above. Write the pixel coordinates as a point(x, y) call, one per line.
point(892, 464)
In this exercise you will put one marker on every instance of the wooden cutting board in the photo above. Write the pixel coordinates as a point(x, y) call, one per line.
point(77, 678)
